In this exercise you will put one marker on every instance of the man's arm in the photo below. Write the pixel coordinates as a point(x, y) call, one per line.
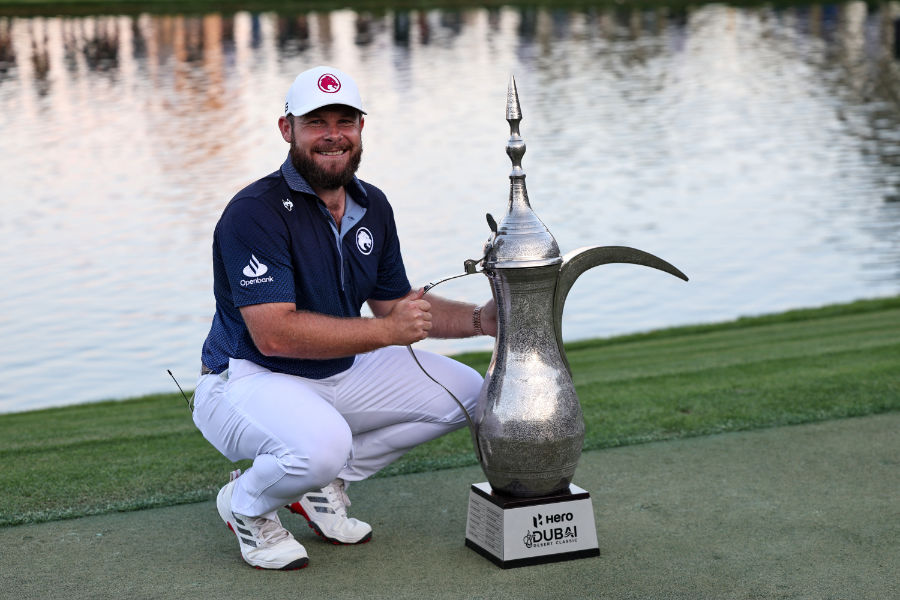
point(278, 329)
point(450, 319)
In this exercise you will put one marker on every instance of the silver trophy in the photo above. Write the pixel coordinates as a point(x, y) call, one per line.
point(530, 427)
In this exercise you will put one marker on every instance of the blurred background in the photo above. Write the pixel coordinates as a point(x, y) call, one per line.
point(755, 147)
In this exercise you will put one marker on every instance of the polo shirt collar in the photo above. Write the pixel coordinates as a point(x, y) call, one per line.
point(297, 183)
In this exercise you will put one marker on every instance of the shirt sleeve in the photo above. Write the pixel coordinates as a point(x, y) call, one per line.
point(392, 281)
point(256, 254)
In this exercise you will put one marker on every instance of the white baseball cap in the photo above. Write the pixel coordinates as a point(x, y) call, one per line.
point(321, 86)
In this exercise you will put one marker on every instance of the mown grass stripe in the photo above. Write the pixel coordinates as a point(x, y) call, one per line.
point(776, 370)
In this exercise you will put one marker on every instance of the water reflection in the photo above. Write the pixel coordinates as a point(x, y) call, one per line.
point(757, 148)
point(847, 29)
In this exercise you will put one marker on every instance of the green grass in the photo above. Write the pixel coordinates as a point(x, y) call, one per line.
point(796, 367)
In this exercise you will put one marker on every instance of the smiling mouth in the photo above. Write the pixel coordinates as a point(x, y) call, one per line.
point(331, 152)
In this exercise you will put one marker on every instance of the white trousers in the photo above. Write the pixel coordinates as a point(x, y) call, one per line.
point(303, 433)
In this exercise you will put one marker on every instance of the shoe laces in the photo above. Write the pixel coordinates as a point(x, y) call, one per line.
point(268, 529)
point(337, 497)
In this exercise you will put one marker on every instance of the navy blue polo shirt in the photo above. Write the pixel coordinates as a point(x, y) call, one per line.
point(277, 242)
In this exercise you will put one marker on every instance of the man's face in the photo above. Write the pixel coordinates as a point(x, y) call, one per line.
point(326, 145)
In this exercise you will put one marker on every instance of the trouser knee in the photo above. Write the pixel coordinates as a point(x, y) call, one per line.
point(324, 460)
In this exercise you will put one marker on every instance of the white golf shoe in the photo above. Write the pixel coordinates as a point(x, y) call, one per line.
point(264, 543)
point(326, 513)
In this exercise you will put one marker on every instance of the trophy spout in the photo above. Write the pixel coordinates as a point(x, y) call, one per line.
point(578, 261)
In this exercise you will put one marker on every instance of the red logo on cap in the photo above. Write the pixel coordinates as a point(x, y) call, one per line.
point(329, 84)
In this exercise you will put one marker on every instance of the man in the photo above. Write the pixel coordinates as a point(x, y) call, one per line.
point(293, 377)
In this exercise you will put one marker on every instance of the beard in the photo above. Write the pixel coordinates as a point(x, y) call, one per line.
point(320, 178)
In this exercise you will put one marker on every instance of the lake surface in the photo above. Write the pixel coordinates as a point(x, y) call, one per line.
point(756, 149)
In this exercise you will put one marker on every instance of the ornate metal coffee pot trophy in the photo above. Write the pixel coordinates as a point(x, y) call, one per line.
point(530, 427)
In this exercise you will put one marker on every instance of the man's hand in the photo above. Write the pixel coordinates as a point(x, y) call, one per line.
point(410, 318)
point(489, 318)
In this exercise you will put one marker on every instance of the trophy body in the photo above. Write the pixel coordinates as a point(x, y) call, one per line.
point(530, 425)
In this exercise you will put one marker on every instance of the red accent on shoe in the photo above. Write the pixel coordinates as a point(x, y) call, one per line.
point(297, 509)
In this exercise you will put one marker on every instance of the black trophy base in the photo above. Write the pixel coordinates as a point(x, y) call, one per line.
point(518, 532)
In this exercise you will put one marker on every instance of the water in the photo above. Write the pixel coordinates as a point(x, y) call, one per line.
point(755, 149)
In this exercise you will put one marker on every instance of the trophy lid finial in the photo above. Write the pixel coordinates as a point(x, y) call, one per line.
point(513, 109)
point(515, 147)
